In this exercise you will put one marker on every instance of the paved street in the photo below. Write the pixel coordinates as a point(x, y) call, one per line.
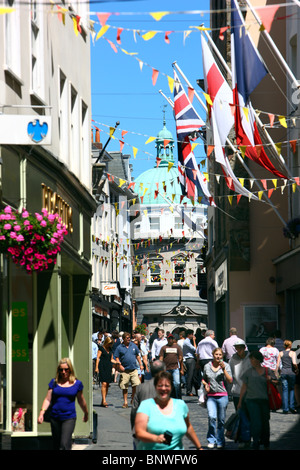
point(114, 432)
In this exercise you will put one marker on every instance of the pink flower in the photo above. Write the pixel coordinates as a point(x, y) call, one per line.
point(7, 209)
point(17, 228)
point(20, 238)
point(2, 237)
point(51, 217)
point(13, 235)
point(39, 216)
point(25, 214)
point(26, 222)
point(7, 227)
point(45, 212)
point(43, 223)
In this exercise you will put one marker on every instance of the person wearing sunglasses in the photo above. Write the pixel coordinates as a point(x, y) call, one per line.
point(62, 393)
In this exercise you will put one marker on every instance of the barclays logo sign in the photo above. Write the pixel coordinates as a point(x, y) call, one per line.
point(25, 129)
point(37, 131)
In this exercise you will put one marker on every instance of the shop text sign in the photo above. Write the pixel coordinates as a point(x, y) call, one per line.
point(20, 332)
point(55, 204)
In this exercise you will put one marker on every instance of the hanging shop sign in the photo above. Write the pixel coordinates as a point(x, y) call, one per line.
point(221, 280)
point(20, 332)
point(25, 130)
point(55, 204)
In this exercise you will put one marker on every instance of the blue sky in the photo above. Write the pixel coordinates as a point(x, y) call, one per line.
point(122, 91)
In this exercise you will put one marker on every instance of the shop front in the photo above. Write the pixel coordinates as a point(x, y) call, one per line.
point(45, 314)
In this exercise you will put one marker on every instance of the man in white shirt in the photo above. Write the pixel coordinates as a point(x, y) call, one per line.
point(228, 345)
point(205, 348)
point(158, 343)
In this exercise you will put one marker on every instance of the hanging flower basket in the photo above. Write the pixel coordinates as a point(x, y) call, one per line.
point(32, 241)
point(292, 228)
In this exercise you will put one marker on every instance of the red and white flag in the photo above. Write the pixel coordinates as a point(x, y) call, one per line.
point(220, 116)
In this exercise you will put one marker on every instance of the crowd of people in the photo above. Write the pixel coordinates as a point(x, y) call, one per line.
point(171, 363)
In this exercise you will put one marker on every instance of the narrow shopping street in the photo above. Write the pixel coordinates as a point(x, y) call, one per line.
point(114, 432)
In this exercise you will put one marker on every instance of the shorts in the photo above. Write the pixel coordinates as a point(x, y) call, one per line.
point(127, 377)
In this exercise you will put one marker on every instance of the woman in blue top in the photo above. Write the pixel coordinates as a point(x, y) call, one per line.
point(62, 393)
point(157, 415)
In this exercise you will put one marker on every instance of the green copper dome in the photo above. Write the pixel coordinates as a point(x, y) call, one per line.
point(160, 185)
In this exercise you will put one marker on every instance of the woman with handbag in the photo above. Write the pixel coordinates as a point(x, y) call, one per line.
point(254, 393)
point(63, 390)
point(287, 359)
point(215, 374)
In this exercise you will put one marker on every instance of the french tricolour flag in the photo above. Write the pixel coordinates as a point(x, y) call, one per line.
point(248, 70)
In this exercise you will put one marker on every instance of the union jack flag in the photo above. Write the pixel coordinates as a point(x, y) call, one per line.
point(188, 125)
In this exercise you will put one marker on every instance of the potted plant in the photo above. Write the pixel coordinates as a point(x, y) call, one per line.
point(31, 240)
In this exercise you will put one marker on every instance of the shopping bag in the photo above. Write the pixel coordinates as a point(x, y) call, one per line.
point(232, 426)
point(275, 400)
point(202, 396)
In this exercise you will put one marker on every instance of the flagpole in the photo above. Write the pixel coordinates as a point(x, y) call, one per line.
point(238, 154)
point(272, 43)
point(256, 117)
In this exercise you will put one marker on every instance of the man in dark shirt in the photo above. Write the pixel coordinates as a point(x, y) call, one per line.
point(171, 355)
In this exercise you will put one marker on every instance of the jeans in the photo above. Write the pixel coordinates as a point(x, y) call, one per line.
point(216, 408)
point(176, 382)
point(259, 413)
point(288, 394)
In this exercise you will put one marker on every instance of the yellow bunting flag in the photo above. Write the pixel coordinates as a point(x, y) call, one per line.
point(170, 164)
point(121, 182)
point(4, 10)
point(158, 15)
point(260, 193)
point(208, 99)
point(275, 183)
point(150, 140)
point(149, 35)
point(75, 25)
point(102, 31)
point(134, 151)
point(171, 83)
point(230, 199)
point(246, 112)
point(243, 150)
point(278, 147)
point(282, 121)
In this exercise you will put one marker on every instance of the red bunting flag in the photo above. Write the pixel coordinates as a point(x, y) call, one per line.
point(103, 18)
point(119, 35)
point(154, 76)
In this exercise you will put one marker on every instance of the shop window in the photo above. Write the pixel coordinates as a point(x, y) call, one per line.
point(22, 342)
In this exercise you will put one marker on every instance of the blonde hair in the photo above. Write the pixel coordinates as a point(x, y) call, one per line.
point(108, 341)
point(67, 361)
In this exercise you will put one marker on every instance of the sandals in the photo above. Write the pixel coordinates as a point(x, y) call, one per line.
point(104, 405)
point(125, 406)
